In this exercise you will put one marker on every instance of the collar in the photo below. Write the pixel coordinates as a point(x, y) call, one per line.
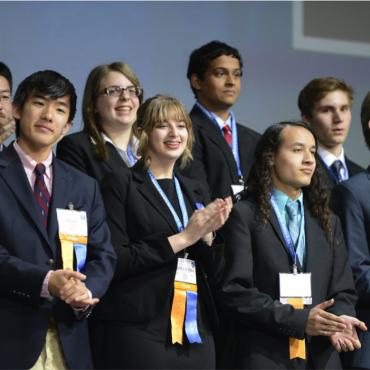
point(29, 164)
point(329, 158)
point(219, 120)
point(282, 199)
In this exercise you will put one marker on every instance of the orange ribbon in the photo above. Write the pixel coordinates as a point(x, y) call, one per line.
point(178, 310)
point(297, 347)
point(67, 248)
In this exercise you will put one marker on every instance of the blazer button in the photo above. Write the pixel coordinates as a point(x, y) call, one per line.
point(293, 332)
point(50, 299)
point(284, 331)
point(50, 262)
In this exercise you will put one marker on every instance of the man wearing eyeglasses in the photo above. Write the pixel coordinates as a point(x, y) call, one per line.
point(7, 122)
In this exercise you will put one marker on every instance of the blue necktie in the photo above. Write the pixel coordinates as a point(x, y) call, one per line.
point(293, 226)
point(336, 167)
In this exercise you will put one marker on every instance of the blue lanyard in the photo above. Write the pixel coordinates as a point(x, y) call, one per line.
point(333, 174)
point(284, 230)
point(130, 155)
point(234, 135)
point(169, 205)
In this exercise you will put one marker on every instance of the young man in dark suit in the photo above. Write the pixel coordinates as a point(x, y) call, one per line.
point(325, 103)
point(280, 239)
point(42, 301)
point(6, 116)
point(351, 204)
point(224, 150)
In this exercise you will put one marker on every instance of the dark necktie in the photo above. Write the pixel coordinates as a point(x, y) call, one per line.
point(41, 192)
point(336, 167)
point(227, 133)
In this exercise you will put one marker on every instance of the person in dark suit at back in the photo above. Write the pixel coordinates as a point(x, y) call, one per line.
point(351, 204)
point(42, 302)
point(162, 230)
point(7, 122)
point(283, 225)
point(325, 103)
point(111, 98)
point(223, 149)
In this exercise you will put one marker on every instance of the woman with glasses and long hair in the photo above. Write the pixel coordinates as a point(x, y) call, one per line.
point(158, 312)
point(111, 99)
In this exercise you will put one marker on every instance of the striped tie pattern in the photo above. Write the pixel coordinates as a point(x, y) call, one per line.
point(227, 133)
point(336, 167)
point(293, 226)
point(41, 192)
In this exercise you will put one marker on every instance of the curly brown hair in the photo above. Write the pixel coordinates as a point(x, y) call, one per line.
point(259, 182)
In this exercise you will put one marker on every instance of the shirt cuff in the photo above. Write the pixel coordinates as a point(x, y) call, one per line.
point(77, 309)
point(45, 287)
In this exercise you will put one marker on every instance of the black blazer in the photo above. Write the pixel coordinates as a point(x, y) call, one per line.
point(214, 164)
point(78, 151)
point(140, 223)
point(353, 169)
point(28, 251)
point(351, 204)
point(250, 289)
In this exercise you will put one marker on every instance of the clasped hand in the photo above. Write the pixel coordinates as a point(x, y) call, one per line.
point(68, 286)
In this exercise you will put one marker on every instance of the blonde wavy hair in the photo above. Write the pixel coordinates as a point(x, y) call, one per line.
point(162, 108)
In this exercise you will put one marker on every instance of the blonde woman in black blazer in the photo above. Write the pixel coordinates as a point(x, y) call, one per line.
point(131, 327)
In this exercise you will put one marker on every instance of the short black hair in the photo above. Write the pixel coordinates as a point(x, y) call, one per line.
point(5, 72)
point(200, 59)
point(49, 83)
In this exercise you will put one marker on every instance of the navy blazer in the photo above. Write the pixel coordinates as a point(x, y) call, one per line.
point(214, 164)
point(351, 202)
point(28, 251)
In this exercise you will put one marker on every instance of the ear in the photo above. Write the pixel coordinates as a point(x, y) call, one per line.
point(272, 162)
point(16, 111)
point(196, 82)
point(139, 131)
point(368, 124)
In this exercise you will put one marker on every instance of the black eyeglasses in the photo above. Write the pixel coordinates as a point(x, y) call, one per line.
point(118, 91)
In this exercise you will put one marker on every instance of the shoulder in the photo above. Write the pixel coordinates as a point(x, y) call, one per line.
point(120, 177)
point(248, 131)
point(247, 208)
point(353, 167)
point(358, 183)
point(76, 139)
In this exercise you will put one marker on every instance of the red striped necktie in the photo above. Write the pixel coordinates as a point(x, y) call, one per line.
point(41, 192)
point(227, 133)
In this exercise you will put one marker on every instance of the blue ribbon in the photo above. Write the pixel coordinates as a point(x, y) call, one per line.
point(199, 205)
point(191, 327)
point(234, 135)
point(81, 252)
point(130, 155)
point(169, 205)
point(284, 229)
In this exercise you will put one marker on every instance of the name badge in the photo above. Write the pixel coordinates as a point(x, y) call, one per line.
point(185, 272)
point(72, 222)
point(237, 189)
point(73, 237)
point(295, 286)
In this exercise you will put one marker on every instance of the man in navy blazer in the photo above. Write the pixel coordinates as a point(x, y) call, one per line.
point(325, 103)
point(43, 306)
point(351, 203)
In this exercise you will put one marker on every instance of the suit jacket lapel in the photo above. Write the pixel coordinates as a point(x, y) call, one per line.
point(312, 230)
point(114, 159)
point(15, 176)
point(214, 134)
point(191, 191)
point(59, 196)
point(150, 193)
